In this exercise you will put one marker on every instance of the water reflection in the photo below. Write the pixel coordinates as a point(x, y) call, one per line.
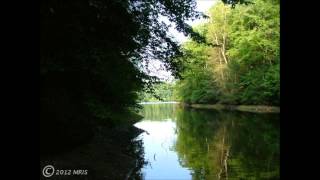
point(192, 144)
point(159, 139)
point(159, 112)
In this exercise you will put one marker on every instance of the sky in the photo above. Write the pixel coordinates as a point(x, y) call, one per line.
point(156, 67)
point(202, 6)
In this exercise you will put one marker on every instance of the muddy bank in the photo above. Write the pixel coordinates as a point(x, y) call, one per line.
point(113, 153)
point(245, 108)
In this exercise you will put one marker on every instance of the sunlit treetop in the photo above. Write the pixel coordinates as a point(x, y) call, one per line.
point(234, 2)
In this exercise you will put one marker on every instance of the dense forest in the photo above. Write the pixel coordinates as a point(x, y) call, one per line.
point(91, 56)
point(240, 61)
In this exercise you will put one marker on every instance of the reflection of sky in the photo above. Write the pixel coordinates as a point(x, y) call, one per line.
point(156, 68)
point(158, 143)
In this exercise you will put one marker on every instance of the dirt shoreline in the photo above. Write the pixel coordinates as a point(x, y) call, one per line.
point(244, 108)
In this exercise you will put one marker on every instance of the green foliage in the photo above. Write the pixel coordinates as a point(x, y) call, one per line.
point(163, 91)
point(91, 56)
point(261, 86)
point(197, 84)
point(242, 62)
point(255, 43)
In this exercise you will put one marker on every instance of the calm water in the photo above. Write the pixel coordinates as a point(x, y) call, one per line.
point(195, 144)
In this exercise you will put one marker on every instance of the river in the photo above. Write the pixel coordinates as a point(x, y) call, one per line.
point(180, 143)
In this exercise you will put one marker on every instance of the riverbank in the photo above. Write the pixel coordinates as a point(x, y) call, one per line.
point(159, 102)
point(244, 108)
point(111, 154)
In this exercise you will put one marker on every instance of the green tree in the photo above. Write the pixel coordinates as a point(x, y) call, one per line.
point(163, 91)
point(198, 85)
point(90, 57)
point(240, 62)
point(255, 52)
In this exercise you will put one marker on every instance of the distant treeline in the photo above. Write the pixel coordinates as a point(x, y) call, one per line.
point(163, 91)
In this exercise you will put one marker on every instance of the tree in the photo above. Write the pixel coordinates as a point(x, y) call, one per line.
point(241, 56)
point(91, 51)
point(255, 51)
point(197, 85)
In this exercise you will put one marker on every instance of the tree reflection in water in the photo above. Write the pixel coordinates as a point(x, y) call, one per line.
point(228, 145)
point(209, 144)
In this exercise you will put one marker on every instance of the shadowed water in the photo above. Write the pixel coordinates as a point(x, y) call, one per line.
point(195, 144)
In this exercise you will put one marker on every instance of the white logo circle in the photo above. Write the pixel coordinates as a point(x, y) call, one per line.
point(48, 171)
